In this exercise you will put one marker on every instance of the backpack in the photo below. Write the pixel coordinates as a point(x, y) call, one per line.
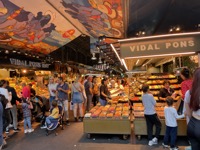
point(3, 100)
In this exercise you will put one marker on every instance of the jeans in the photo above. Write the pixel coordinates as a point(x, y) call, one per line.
point(193, 133)
point(51, 98)
point(102, 102)
point(65, 106)
point(27, 122)
point(8, 119)
point(14, 116)
point(150, 121)
point(95, 99)
point(170, 133)
point(48, 119)
point(76, 107)
point(1, 124)
point(89, 102)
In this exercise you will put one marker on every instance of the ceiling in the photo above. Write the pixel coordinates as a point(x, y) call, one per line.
point(43, 26)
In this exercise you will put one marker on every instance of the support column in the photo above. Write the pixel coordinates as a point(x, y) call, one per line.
point(199, 59)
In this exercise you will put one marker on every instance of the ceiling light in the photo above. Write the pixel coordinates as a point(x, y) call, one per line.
point(124, 63)
point(93, 56)
point(137, 61)
point(14, 51)
point(7, 52)
point(178, 28)
point(100, 61)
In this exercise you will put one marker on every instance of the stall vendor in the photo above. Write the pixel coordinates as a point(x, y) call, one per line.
point(166, 91)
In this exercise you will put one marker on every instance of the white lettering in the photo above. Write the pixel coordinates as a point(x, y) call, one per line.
point(132, 48)
point(191, 43)
point(168, 45)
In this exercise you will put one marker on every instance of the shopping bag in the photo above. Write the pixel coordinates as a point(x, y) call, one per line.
point(71, 105)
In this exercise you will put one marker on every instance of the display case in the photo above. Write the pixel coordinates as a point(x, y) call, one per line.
point(109, 119)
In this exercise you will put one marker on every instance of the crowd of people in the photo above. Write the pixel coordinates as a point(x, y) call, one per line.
point(86, 91)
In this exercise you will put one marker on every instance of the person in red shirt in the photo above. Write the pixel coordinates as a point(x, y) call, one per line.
point(26, 93)
point(187, 81)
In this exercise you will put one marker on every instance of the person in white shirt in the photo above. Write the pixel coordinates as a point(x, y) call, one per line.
point(150, 115)
point(52, 90)
point(171, 117)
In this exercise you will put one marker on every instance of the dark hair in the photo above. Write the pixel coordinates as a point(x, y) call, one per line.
point(60, 78)
point(166, 81)
point(2, 82)
point(145, 88)
point(104, 79)
point(186, 73)
point(169, 100)
point(7, 82)
point(54, 103)
point(195, 94)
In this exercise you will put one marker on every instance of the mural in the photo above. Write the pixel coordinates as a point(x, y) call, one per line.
point(33, 25)
point(93, 17)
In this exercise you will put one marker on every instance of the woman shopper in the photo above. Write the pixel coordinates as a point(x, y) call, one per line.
point(77, 98)
point(193, 131)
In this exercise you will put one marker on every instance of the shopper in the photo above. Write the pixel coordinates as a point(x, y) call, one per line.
point(14, 100)
point(171, 117)
point(89, 94)
point(95, 91)
point(194, 106)
point(1, 123)
point(104, 93)
point(52, 90)
point(54, 114)
point(26, 93)
point(7, 112)
point(62, 91)
point(77, 98)
point(26, 108)
point(166, 91)
point(150, 115)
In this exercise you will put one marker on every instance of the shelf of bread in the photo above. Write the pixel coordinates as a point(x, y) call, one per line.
point(169, 76)
point(113, 111)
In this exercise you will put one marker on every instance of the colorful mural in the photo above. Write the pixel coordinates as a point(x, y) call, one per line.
point(93, 17)
point(33, 25)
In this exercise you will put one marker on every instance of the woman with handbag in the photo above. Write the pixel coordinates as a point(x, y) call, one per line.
point(193, 110)
point(77, 98)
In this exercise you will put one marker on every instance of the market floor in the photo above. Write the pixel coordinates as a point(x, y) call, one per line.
point(73, 138)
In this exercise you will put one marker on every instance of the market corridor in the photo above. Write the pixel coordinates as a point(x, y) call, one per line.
point(73, 138)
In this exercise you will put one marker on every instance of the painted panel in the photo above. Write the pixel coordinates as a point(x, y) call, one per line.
point(93, 17)
point(33, 25)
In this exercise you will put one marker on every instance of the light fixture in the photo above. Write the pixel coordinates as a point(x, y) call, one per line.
point(137, 62)
point(24, 71)
point(6, 51)
point(124, 63)
point(93, 56)
point(100, 61)
point(113, 48)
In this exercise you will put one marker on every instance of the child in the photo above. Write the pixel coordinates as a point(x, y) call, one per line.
point(150, 115)
point(54, 114)
point(26, 108)
point(171, 117)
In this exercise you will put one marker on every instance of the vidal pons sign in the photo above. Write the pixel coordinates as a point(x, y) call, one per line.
point(173, 44)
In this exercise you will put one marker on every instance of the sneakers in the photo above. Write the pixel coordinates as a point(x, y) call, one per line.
point(10, 126)
point(67, 123)
point(16, 130)
point(174, 148)
point(30, 130)
point(154, 141)
point(43, 127)
point(165, 146)
point(7, 131)
point(26, 131)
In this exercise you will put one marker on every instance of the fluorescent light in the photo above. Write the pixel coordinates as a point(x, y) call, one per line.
point(157, 36)
point(116, 53)
point(124, 63)
point(186, 53)
point(147, 62)
point(137, 61)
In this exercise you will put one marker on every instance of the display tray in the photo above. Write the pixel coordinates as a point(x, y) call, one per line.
point(107, 126)
point(140, 127)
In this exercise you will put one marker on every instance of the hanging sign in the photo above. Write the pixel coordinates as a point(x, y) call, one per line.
point(27, 63)
point(160, 45)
